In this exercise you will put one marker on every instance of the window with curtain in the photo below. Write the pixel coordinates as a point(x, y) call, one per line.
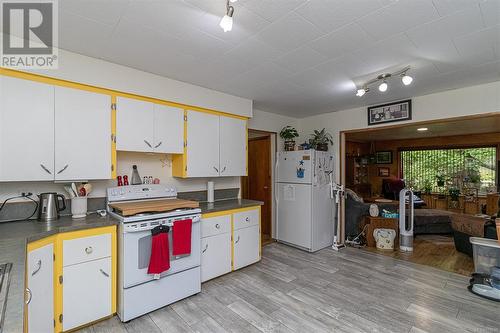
point(458, 167)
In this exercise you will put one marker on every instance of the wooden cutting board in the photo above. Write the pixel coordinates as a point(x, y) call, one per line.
point(156, 206)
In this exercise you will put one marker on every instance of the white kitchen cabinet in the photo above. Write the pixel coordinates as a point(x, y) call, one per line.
point(26, 130)
point(147, 127)
point(87, 292)
point(202, 144)
point(40, 289)
point(246, 246)
point(168, 129)
point(233, 146)
point(82, 135)
point(215, 256)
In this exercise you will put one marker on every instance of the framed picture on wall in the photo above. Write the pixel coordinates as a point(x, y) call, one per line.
point(387, 113)
point(383, 157)
point(384, 172)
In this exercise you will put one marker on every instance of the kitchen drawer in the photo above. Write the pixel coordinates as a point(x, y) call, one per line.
point(246, 219)
point(86, 248)
point(215, 225)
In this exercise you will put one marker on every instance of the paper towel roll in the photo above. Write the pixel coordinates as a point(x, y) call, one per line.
point(210, 191)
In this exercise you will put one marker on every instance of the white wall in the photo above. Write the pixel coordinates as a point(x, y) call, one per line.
point(453, 103)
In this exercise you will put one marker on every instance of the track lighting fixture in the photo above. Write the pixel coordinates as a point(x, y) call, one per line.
point(226, 23)
point(382, 78)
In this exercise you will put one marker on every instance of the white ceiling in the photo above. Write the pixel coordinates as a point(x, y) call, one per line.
point(294, 57)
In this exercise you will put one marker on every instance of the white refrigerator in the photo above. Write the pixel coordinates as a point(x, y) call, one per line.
point(305, 210)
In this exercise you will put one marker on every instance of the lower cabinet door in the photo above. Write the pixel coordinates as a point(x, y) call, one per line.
point(40, 289)
point(246, 246)
point(86, 292)
point(215, 256)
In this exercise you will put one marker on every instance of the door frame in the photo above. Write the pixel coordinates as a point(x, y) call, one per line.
point(272, 159)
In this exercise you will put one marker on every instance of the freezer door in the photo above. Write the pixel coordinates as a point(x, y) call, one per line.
point(295, 167)
point(294, 214)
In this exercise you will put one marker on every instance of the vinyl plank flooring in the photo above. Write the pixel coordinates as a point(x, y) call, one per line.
point(350, 291)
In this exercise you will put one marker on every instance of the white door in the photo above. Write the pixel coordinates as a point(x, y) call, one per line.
point(233, 147)
point(246, 246)
point(82, 135)
point(86, 292)
point(294, 214)
point(294, 167)
point(40, 284)
point(202, 144)
point(134, 125)
point(168, 129)
point(26, 130)
point(215, 256)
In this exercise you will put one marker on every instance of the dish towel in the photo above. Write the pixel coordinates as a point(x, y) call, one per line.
point(181, 237)
point(159, 261)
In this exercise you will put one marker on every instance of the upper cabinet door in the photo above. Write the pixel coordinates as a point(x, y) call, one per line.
point(233, 147)
point(168, 129)
point(202, 144)
point(82, 135)
point(134, 130)
point(26, 130)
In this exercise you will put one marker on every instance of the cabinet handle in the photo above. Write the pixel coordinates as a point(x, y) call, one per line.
point(39, 266)
point(217, 226)
point(216, 169)
point(247, 219)
point(65, 167)
point(103, 272)
point(44, 168)
point(205, 250)
point(158, 145)
point(89, 250)
point(149, 145)
point(30, 295)
point(223, 169)
point(236, 242)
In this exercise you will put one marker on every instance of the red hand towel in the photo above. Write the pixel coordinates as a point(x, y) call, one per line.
point(181, 237)
point(160, 257)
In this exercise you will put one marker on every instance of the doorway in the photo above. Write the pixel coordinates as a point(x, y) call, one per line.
point(258, 184)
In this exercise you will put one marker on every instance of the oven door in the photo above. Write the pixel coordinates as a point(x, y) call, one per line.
point(136, 251)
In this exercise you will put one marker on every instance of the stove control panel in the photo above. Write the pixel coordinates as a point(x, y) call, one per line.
point(137, 192)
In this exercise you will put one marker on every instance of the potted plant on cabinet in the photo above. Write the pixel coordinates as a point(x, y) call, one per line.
point(289, 133)
point(320, 140)
point(454, 193)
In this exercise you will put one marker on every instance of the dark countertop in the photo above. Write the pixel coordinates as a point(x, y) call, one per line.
point(227, 204)
point(13, 239)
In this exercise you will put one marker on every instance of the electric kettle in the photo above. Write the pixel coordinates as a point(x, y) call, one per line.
point(49, 206)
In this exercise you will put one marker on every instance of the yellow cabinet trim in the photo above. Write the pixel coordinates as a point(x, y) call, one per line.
point(87, 87)
point(113, 137)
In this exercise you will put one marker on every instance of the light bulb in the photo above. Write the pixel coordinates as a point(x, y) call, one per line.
point(361, 92)
point(383, 87)
point(422, 129)
point(226, 23)
point(406, 79)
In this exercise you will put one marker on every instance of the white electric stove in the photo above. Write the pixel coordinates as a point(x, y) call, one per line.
point(138, 291)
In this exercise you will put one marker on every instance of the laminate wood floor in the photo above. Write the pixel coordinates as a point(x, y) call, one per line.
point(347, 291)
point(436, 251)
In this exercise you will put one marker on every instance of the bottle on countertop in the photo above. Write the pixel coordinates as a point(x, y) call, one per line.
point(119, 179)
point(125, 180)
point(136, 178)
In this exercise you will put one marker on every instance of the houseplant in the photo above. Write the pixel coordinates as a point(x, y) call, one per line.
point(440, 180)
point(427, 186)
point(454, 193)
point(320, 140)
point(288, 134)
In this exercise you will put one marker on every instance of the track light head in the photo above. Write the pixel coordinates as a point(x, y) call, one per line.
point(383, 87)
point(406, 79)
point(361, 91)
point(226, 23)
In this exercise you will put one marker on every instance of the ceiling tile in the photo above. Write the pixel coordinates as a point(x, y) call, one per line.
point(447, 7)
point(107, 12)
point(300, 59)
point(289, 33)
point(331, 15)
point(342, 41)
point(398, 17)
point(272, 10)
point(254, 51)
point(490, 10)
point(482, 42)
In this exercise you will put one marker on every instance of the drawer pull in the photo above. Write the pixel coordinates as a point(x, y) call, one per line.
point(217, 226)
point(103, 272)
point(89, 250)
point(236, 242)
point(37, 269)
point(30, 295)
point(247, 219)
point(205, 250)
